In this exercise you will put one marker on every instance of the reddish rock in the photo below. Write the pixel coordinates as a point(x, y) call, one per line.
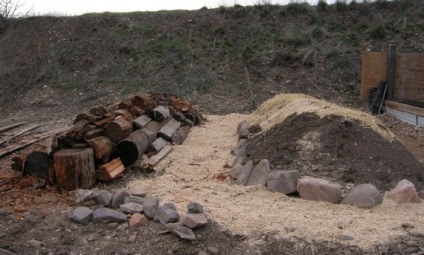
point(363, 196)
point(404, 192)
point(137, 220)
point(318, 190)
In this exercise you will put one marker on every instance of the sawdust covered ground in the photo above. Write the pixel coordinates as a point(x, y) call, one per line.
point(189, 174)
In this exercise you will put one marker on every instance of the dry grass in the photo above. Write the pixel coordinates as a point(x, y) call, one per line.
point(278, 108)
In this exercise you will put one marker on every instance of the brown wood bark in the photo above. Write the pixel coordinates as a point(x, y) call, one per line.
point(104, 121)
point(102, 146)
point(78, 131)
point(121, 112)
point(112, 170)
point(144, 102)
point(118, 129)
point(132, 147)
point(94, 133)
point(85, 116)
point(98, 111)
point(74, 168)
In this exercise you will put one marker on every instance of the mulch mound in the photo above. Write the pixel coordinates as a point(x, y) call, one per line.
point(336, 149)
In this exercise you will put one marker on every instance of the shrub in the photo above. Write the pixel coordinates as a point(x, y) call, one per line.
point(298, 8)
point(377, 30)
point(341, 6)
point(322, 6)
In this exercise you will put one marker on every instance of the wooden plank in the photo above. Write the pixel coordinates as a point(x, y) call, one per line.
point(154, 160)
point(23, 145)
point(374, 70)
point(404, 107)
point(157, 145)
point(141, 121)
point(5, 128)
point(169, 129)
point(26, 130)
point(391, 67)
point(409, 78)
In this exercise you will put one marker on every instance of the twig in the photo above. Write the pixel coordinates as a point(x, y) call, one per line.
point(250, 88)
point(12, 126)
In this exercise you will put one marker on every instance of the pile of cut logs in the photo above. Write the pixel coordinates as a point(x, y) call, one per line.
point(107, 139)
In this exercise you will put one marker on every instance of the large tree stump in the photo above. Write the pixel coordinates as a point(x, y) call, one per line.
point(132, 147)
point(118, 129)
point(74, 168)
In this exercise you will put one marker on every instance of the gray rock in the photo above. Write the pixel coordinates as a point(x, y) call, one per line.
point(103, 198)
point(259, 173)
point(242, 125)
point(213, 250)
point(81, 215)
point(194, 207)
point(83, 195)
point(181, 231)
point(404, 192)
point(363, 196)
point(118, 198)
point(134, 199)
point(131, 208)
point(36, 244)
point(106, 215)
point(167, 213)
point(244, 174)
point(150, 206)
point(241, 146)
point(95, 192)
point(315, 189)
point(345, 238)
point(244, 133)
point(194, 220)
point(283, 181)
point(137, 192)
point(421, 194)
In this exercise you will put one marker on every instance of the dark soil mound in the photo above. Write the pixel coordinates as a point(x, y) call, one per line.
point(336, 149)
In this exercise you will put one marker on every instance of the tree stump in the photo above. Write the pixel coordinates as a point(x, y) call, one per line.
point(74, 168)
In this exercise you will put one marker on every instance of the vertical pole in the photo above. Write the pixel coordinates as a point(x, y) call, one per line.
point(391, 71)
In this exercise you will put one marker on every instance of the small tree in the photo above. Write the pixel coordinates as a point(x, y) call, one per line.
point(12, 9)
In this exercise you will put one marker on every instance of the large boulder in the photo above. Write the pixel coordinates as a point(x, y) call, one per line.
point(404, 192)
point(283, 181)
point(259, 173)
point(315, 189)
point(363, 196)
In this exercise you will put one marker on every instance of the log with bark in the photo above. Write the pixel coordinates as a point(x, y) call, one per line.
point(118, 129)
point(74, 168)
point(112, 170)
point(121, 112)
point(132, 147)
point(102, 147)
point(39, 164)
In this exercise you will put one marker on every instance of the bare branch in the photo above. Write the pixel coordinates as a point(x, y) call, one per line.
point(12, 9)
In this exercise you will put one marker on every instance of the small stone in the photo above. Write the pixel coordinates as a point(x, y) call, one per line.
point(106, 215)
point(244, 173)
point(244, 133)
point(132, 238)
point(283, 181)
point(167, 213)
point(181, 231)
point(404, 192)
point(118, 198)
point(95, 192)
point(134, 199)
point(259, 173)
point(194, 220)
point(137, 192)
point(213, 250)
point(315, 189)
point(345, 238)
point(137, 220)
point(83, 195)
point(150, 206)
point(36, 244)
point(194, 207)
point(131, 208)
point(81, 215)
point(103, 198)
point(363, 196)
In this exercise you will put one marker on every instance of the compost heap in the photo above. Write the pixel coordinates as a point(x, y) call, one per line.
point(324, 140)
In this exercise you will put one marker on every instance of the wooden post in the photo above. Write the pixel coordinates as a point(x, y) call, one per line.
point(250, 88)
point(74, 168)
point(391, 68)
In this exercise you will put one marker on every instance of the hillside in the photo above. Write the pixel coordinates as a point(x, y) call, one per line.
point(200, 55)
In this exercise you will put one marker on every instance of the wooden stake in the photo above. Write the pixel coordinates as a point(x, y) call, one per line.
point(250, 87)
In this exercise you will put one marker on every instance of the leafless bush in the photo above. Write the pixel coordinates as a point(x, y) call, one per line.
point(12, 9)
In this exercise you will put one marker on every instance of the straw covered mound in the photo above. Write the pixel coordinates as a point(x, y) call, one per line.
point(323, 140)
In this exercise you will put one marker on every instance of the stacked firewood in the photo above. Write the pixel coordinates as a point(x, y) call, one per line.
point(107, 139)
